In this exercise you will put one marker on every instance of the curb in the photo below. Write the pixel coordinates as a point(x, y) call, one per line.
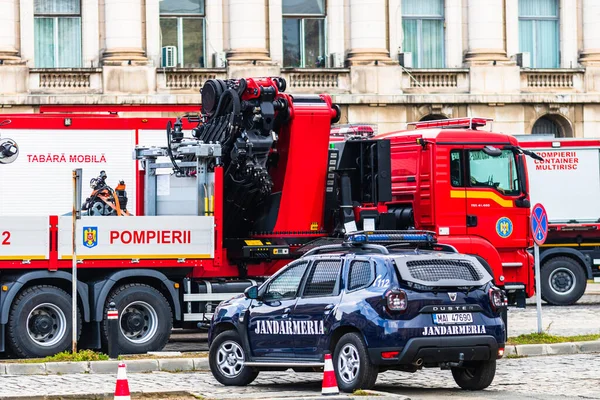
point(105, 367)
point(566, 348)
point(201, 364)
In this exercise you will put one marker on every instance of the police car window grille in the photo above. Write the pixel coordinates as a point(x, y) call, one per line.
point(323, 278)
point(435, 270)
point(286, 285)
point(359, 275)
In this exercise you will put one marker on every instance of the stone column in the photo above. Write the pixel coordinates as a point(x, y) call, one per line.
point(153, 32)
point(123, 24)
point(214, 30)
point(591, 34)
point(368, 33)
point(486, 31)
point(454, 42)
point(8, 37)
point(247, 31)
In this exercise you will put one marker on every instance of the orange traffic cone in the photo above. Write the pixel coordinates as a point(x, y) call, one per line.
point(122, 389)
point(329, 381)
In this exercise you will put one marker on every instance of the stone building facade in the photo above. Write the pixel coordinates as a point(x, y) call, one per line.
point(531, 65)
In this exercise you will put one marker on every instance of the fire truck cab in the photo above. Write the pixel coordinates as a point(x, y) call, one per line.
point(470, 187)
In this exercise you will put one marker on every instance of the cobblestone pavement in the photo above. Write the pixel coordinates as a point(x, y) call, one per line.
point(547, 378)
point(579, 319)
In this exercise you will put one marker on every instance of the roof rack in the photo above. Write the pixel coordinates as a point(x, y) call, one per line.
point(382, 240)
point(467, 122)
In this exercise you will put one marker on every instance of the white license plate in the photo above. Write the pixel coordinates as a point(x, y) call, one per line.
point(452, 318)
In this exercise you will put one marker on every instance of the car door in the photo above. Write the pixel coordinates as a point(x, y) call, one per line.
point(268, 317)
point(312, 316)
point(493, 189)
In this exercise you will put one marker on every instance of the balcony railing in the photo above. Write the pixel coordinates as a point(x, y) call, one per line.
point(65, 80)
point(552, 80)
point(436, 81)
point(186, 80)
point(317, 80)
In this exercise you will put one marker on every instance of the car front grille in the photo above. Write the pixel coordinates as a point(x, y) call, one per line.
point(436, 270)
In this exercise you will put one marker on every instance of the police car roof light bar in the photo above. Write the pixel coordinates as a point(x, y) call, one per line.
point(409, 237)
point(470, 123)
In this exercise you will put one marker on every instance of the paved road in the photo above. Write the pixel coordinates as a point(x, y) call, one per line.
point(543, 378)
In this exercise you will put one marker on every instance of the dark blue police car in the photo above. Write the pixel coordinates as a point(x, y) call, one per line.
point(374, 307)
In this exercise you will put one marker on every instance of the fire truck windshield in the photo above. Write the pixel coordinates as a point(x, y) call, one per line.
point(499, 173)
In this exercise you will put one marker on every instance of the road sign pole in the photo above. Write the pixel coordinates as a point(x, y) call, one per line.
point(539, 230)
point(538, 286)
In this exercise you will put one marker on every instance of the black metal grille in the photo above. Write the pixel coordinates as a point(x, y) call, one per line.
point(436, 270)
point(323, 278)
point(360, 274)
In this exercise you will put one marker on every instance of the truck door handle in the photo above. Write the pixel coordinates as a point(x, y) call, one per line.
point(471, 220)
point(287, 310)
point(329, 307)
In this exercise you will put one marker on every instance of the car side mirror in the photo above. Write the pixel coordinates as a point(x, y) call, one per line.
point(251, 292)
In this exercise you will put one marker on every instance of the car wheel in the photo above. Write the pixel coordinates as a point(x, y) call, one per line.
point(475, 375)
point(226, 360)
point(563, 281)
point(353, 368)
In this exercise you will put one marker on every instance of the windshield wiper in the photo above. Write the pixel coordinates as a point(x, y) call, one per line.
point(526, 152)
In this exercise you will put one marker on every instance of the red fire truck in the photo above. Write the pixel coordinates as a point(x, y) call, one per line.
point(255, 186)
point(567, 183)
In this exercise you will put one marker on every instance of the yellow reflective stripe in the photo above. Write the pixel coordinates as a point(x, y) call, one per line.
point(476, 194)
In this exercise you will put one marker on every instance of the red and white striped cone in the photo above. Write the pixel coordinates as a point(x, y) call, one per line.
point(329, 380)
point(122, 388)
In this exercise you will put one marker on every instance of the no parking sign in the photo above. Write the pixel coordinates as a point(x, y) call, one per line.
point(539, 224)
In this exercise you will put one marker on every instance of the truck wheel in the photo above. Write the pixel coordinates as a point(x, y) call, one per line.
point(476, 375)
point(563, 281)
point(353, 368)
point(226, 360)
point(145, 318)
point(39, 323)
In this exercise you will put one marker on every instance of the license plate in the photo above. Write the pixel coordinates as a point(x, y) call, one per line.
point(452, 318)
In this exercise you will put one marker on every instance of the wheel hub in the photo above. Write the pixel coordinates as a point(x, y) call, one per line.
point(134, 322)
point(46, 324)
point(562, 281)
point(230, 359)
point(42, 325)
point(139, 322)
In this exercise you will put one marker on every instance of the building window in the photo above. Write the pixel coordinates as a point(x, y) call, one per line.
point(182, 30)
point(57, 30)
point(304, 42)
point(423, 27)
point(545, 126)
point(538, 32)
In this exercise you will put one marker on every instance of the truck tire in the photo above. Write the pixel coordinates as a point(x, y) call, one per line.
point(145, 319)
point(352, 365)
point(563, 281)
point(226, 360)
point(39, 323)
point(476, 375)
